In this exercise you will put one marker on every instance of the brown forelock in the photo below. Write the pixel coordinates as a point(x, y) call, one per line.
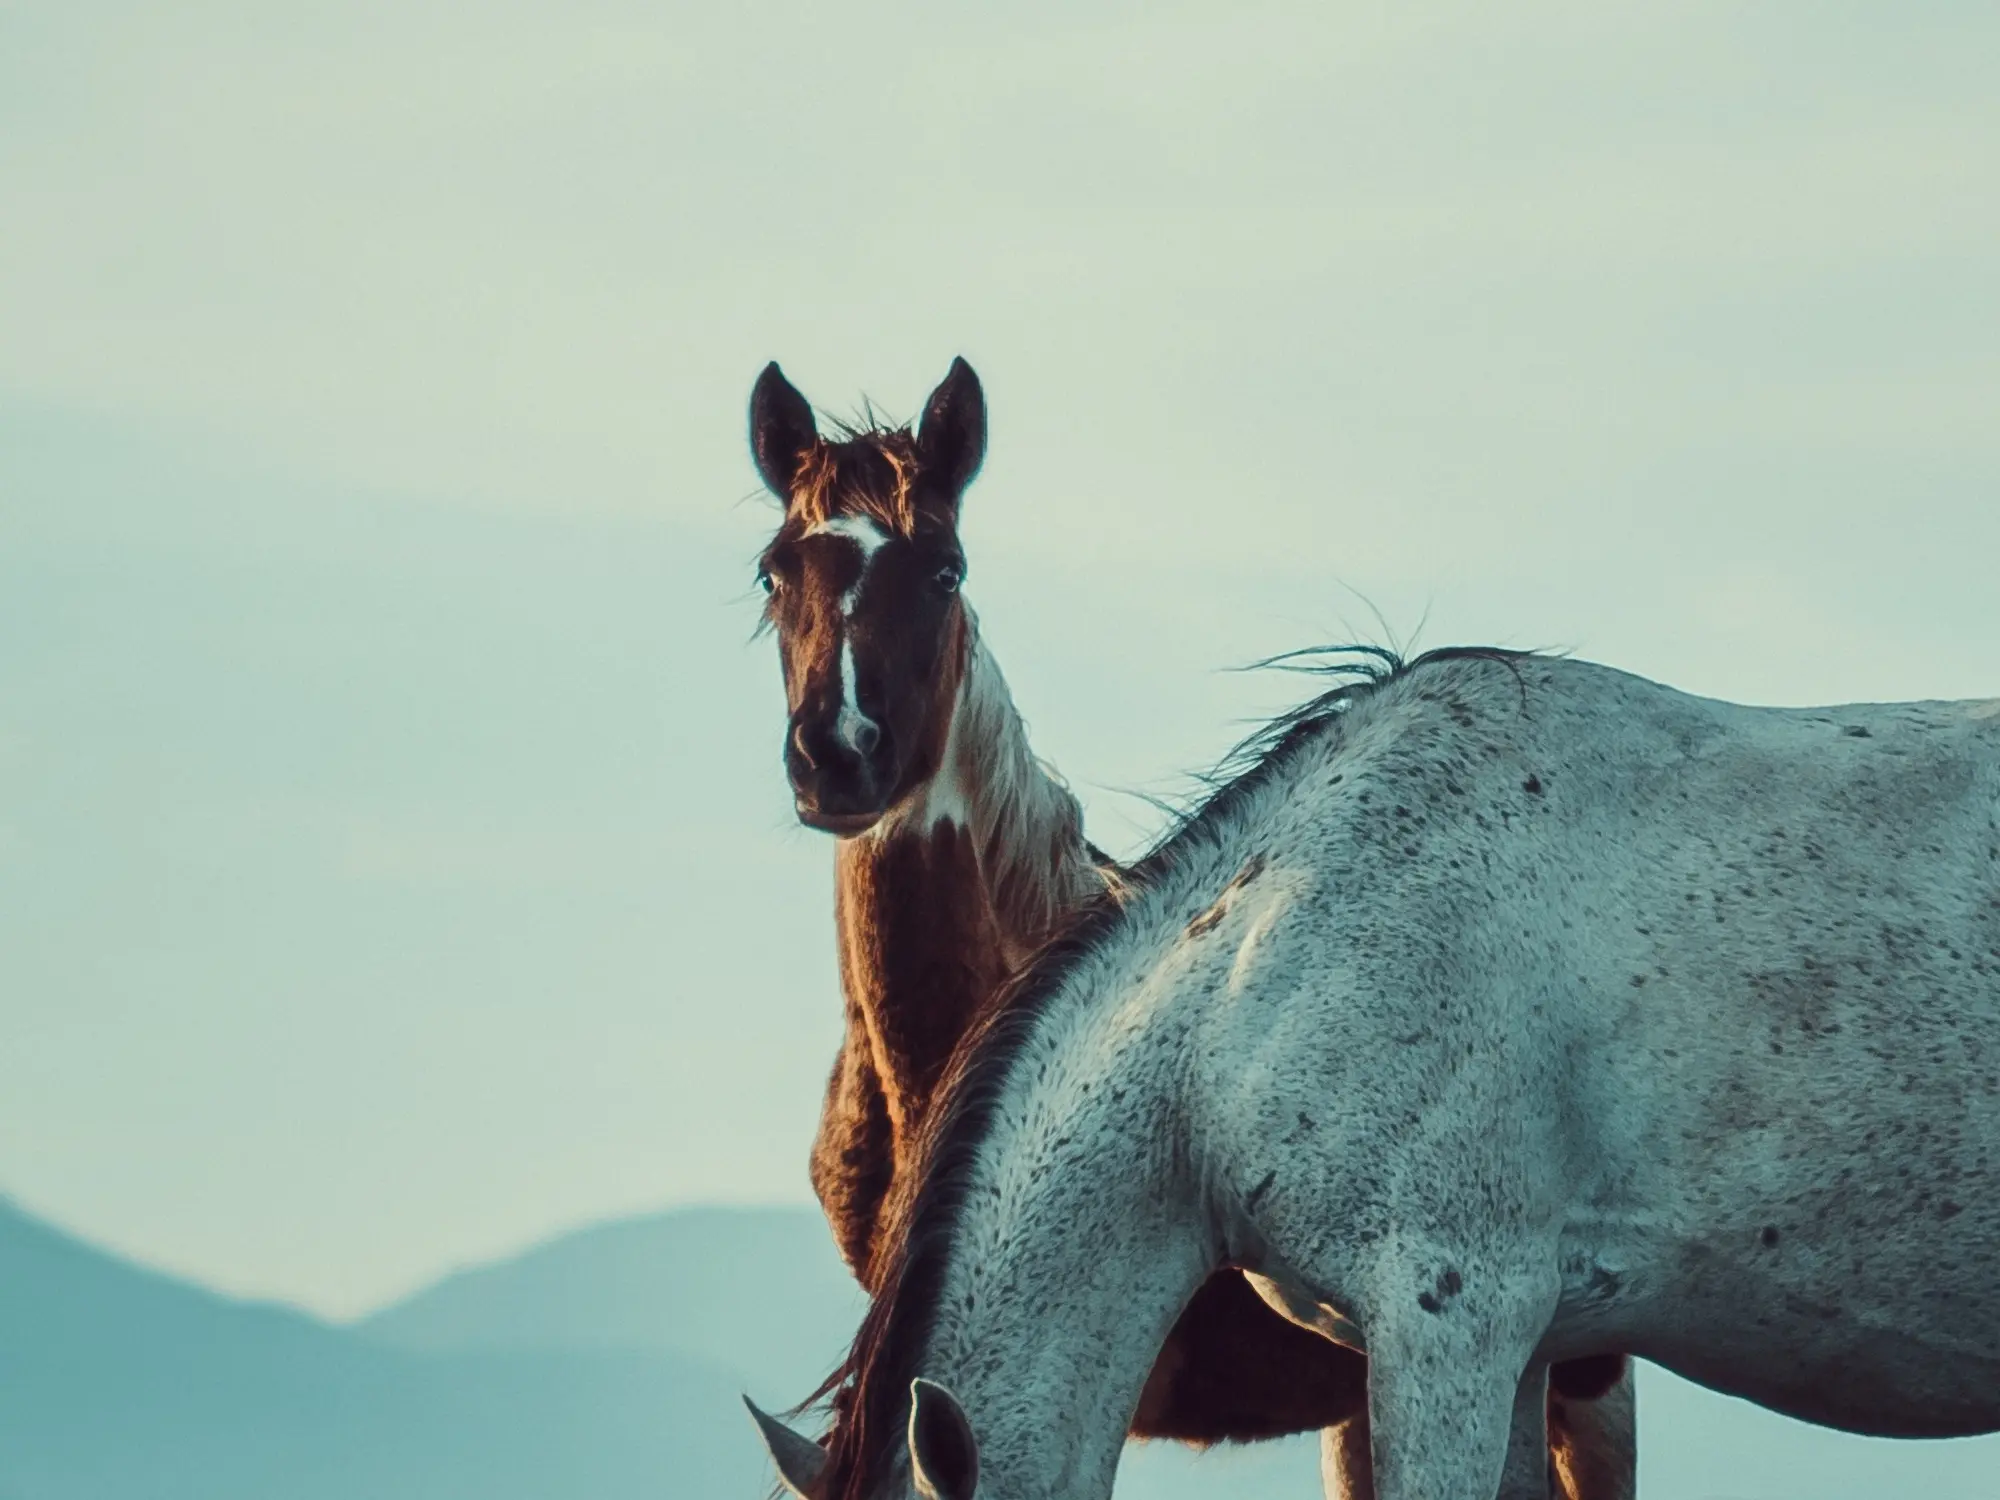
point(871, 1388)
point(868, 472)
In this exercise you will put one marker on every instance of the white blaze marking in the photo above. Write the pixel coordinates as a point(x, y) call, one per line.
point(859, 530)
point(869, 537)
point(848, 725)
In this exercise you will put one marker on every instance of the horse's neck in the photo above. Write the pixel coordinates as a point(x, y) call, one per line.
point(1078, 1239)
point(956, 888)
point(1026, 827)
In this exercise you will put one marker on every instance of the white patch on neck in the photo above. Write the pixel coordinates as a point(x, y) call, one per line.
point(982, 697)
point(1026, 828)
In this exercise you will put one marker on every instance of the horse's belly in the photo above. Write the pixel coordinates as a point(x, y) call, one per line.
point(1864, 1389)
point(1886, 1368)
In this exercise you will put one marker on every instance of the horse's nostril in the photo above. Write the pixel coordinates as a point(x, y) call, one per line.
point(802, 743)
point(866, 737)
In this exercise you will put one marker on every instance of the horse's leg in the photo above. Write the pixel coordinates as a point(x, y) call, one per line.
point(1345, 1469)
point(1596, 1443)
point(1458, 1405)
point(1529, 1471)
point(1591, 1446)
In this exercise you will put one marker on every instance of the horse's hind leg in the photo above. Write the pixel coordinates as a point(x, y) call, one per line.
point(1345, 1472)
point(1596, 1443)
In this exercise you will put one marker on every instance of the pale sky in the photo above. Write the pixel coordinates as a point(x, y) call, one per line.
point(395, 862)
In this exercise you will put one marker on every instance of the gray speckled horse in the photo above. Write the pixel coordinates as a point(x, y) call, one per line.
point(1508, 1010)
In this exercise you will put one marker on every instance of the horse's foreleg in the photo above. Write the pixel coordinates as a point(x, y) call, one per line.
point(1529, 1472)
point(1458, 1407)
point(1592, 1451)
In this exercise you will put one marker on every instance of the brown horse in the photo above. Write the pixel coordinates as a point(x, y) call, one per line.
point(959, 855)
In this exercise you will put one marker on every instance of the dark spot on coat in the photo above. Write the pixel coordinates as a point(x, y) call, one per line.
point(1257, 1193)
point(1857, 732)
point(1532, 786)
point(1447, 1286)
point(1950, 1210)
point(1769, 1236)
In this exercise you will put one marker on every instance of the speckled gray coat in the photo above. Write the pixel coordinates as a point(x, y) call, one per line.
point(1525, 1010)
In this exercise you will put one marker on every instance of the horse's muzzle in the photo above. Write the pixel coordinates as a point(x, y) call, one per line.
point(835, 787)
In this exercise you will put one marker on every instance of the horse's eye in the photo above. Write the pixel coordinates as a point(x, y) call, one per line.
point(767, 580)
point(949, 577)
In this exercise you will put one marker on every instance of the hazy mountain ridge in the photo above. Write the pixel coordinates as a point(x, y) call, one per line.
point(757, 1289)
point(760, 1290)
point(516, 1379)
point(121, 1383)
point(606, 1363)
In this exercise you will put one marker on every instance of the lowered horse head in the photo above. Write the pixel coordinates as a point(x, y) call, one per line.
point(863, 580)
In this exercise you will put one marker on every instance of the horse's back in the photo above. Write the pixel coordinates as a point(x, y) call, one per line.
point(1773, 941)
point(1734, 973)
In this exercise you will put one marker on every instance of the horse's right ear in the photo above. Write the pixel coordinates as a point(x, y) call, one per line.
point(781, 430)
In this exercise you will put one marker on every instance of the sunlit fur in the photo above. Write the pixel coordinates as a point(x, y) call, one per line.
point(1513, 1009)
point(1026, 825)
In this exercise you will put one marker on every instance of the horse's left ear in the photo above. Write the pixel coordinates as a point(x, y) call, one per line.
point(799, 1460)
point(944, 1455)
point(951, 440)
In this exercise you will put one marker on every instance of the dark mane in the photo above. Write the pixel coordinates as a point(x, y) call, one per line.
point(871, 1388)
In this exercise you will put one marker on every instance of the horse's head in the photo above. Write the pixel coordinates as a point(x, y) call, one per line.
point(863, 582)
point(943, 1456)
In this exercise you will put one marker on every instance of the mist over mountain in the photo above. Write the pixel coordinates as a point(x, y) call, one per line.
point(117, 1383)
point(759, 1290)
point(605, 1364)
point(520, 1380)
